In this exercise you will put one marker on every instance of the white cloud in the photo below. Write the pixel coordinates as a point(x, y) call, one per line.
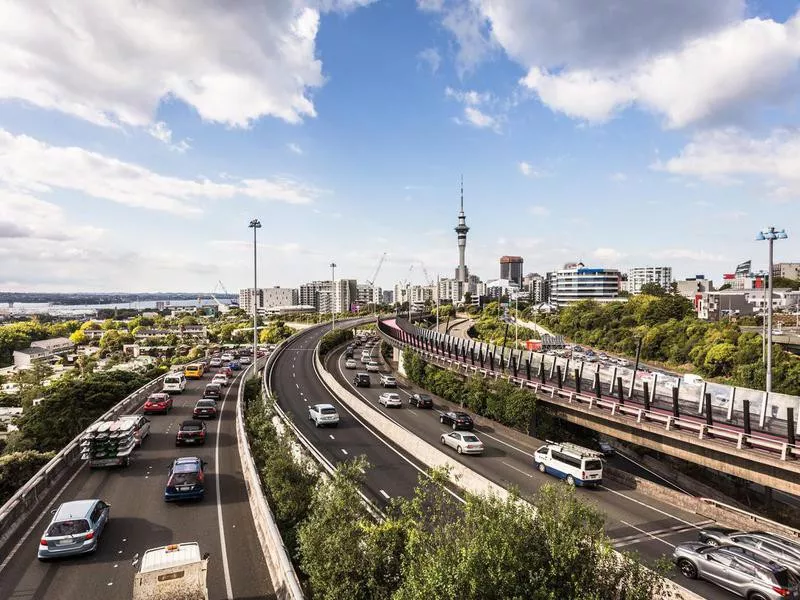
point(431, 57)
point(468, 97)
point(725, 154)
point(472, 115)
point(687, 254)
point(608, 254)
point(618, 177)
point(685, 60)
point(465, 21)
point(294, 148)
point(539, 211)
point(30, 166)
point(113, 63)
point(163, 133)
point(479, 119)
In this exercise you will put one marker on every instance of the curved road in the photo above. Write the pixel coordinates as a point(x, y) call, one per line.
point(140, 519)
point(634, 521)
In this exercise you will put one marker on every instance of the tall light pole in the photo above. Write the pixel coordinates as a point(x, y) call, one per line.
point(437, 303)
point(255, 225)
point(408, 299)
point(516, 320)
point(333, 295)
point(770, 234)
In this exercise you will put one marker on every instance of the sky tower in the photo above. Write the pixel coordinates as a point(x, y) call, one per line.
point(461, 229)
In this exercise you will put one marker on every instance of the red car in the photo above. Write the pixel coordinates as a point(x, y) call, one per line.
point(158, 403)
point(228, 371)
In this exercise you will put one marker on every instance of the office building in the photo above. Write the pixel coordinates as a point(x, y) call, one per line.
point(536, 286)
point(308, 293)
point(368, 294)
point(691, 286)
point(576, 282)
point(502, 287)
point(639, 276)
point(266, 298)
point(388, 296)
point(511, 269)
point(786, 270)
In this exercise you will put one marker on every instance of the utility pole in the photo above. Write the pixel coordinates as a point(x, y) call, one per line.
point(255, 224)
point(333, 295)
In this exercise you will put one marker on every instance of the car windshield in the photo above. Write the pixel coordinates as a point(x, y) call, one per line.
point(191, 427)
point(187, 467)
point(172, 380)
point(206, 403)
point(593, 465)
point(68, 527)
point(423, 397)
point(462, 416)
point(471, 438)
point(782, 577)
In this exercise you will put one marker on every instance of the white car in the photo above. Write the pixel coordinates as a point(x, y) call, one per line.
point(221, 379)
point(465, 442)
point(388, 381)
point(373, 367)
point(365, 358)
point(350, 364)
point(390, 400)
point(227, 357)
point(215, 362)
point(323, 414)
point(245, 360)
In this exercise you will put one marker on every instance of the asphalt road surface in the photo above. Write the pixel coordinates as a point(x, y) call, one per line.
point(635, 522)
point(140, 519)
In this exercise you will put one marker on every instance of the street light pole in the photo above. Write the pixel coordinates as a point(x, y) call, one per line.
point(333, 295)
point(770, 234)
point(255, 225)
point(516, 321)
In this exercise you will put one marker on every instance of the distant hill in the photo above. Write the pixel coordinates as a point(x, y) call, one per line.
point(102, 298)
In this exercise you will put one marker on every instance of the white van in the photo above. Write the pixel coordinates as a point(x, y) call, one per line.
point(576, 464)
point(174, 383)
point(174, 571)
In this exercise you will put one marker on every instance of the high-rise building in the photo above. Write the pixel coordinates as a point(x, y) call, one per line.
point(536, 286)
point(692, 286)
point(638, 276)
point(786, 270)
point(576, 282)
point(511, 269)
point(266, 298)
point(309, 293)
point(462, 274)
point(368, 294)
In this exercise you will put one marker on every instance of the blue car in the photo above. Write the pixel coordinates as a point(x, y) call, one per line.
point(234, 365)
point(75, 529)
point(186, 479)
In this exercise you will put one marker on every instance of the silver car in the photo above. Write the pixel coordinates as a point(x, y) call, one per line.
point(75, 529)
point(778, 548)
point(747, 575)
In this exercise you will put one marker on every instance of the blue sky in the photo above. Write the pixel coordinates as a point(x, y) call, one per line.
point(137, 143)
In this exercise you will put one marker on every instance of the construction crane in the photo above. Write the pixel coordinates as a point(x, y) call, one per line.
point(425, 271)
point(220, 305)
point(371, 281)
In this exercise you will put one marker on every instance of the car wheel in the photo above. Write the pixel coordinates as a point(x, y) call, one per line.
point(441, 420)
point(441, 439)
point(757, 596)
point(570, 480)
point(542, 468)
point(711, 542)
point(454, 426)
point(316, 424)
point(687, 568)
point(458, 449)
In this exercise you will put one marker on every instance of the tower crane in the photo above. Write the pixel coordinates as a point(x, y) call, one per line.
point(371, 281)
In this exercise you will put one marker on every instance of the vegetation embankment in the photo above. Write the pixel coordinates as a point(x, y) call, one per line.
point(431, 546)
point(495, 399)
point(333, 338)
point(489, 327)
point(672, 334)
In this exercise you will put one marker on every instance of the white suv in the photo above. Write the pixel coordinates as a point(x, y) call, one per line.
point(323, 414)
point(388, 381)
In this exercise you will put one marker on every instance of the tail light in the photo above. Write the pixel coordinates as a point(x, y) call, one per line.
point(200, 477)
point(43, 542)
point(89, 535)
point(783, 592)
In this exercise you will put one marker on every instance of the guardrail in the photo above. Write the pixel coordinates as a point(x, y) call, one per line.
point(14, 512)
point(281, 571)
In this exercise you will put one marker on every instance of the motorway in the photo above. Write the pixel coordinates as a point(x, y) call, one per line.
point(140, 519)
point(634, 521)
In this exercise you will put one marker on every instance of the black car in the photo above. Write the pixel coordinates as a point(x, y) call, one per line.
point(191, 432)
point(349, 352)
point(421, 401)
point(205, 408)
point(213, 391)
point(361, 380)
point(457, 420)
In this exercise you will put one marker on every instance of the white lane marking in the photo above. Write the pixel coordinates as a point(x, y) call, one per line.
point(294, 374)
point(384, 494)
point(222, 541)
point(648, 534)
point(412, 412)
point(297, 385)
point(45, 512)
point(666, 514)
point(344, 451)
point(517, 469)
point(636, 538)
point(330, 435)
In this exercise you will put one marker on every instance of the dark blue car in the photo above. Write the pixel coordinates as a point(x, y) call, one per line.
point(234, 365)
point(186, 479)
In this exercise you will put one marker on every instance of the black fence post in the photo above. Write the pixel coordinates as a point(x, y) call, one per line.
point(709, 415)
point(502, 359)
point(528, 368)
point(491, 360)
point(746, 416)
point(578, 380)
point(676, 407)
point(790, 425)
point(646, 387)
point(619, 391)
point(558, 374)
point(542, 374)
point(514, 363)
point(481, 357)
point(597, 389)
point(472, 355)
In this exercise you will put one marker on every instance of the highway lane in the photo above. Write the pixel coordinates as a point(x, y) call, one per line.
point(140, 519)
point(296, 385)
point(635, 522)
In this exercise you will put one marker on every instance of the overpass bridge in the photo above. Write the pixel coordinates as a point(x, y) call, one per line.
point(733, 430)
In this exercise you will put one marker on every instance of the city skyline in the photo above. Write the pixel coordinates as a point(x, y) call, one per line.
point(139, 165)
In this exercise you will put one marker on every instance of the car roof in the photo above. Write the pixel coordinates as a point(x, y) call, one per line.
point(459, 413)
point(758, 559)
point(75, 509)
point(183, 460)
point(169, 556)
point(325, 405)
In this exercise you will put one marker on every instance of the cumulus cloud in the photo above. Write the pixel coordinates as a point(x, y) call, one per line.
point(113, 63)
point(295, 148)
point(31, 166)
point(475, 111)
point(725, 154)
point(430, 57)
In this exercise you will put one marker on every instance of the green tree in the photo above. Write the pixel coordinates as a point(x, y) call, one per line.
point(17, 468)
point(651, 288)
point(78, 337)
